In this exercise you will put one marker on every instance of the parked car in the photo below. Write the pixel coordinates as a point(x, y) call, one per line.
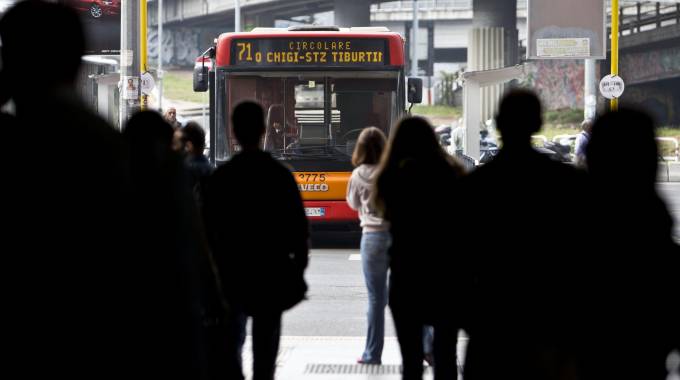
point(96, 8)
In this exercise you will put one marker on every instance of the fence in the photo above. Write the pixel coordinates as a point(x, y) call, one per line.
point(676, 148)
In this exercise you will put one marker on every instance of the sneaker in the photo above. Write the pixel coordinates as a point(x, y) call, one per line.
point(429, 359)
point(362, 361)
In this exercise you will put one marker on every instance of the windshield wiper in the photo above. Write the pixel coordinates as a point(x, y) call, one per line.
point(313, 151)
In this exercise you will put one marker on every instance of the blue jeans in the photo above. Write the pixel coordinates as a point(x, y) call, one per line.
point(375, 263)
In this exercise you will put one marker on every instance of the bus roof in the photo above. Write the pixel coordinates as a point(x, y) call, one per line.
point(394, 41)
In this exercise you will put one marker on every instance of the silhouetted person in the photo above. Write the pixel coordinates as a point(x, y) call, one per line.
point(423, 265)
point(634, 282)
point(173, 248)
point(375, 238)
point(193, 141)
point(73, 278)
point(258, 232)
point(170, 116)
point(516, 209)
point(582, 142)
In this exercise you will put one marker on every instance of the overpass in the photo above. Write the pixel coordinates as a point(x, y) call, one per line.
point(650, 58)
point(192, 24)
point(650, 47)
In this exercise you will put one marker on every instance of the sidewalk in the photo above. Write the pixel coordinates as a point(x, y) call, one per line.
point(334, 358)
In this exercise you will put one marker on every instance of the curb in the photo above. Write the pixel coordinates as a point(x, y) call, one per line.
point(668, 171)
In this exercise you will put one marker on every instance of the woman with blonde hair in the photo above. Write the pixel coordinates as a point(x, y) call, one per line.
point(415, 186)
point(375, 238)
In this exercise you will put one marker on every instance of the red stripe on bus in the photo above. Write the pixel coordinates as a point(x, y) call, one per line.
point(395, 42)
point(334, 211)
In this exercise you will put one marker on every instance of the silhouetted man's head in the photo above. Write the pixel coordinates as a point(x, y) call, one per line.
point(171, 115)
point(519, 117)
point(193, 137)
point(248, 124)
point(42, 44)
point(413, 139)
point(587, 126)
point(625, 133)
point(148, 134)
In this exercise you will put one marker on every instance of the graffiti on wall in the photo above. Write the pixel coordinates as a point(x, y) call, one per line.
point(656, 100)
point(649, 66)
point(559, 83)
point(180, 46)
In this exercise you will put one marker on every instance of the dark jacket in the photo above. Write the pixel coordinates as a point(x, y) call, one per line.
point(199, 170)
point(258, 231)
point(418, 205)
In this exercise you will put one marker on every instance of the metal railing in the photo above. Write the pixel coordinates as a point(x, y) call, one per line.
point(676, 148)
point(647, 15)
point(560, 138)
point(433, 4)
point(540, 137)
point(468, 162)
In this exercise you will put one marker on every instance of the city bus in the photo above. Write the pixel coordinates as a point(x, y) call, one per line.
point(319, 87)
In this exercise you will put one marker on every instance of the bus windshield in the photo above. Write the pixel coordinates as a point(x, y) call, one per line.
point(316, 118)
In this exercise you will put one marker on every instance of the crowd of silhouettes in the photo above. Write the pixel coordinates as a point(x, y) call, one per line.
point(125, 253)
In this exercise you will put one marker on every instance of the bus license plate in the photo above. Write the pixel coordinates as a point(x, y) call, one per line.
point(315, 211)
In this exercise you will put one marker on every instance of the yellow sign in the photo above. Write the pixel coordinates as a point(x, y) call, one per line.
point(322, 186)
point(308, 51)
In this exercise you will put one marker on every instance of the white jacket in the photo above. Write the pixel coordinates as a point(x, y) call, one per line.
point(359, 190)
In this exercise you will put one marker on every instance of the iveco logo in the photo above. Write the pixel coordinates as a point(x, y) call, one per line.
point(313, 187)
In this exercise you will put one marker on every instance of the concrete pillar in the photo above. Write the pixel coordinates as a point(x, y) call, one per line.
point(350, 13)
point(494, 14)
point(130, 93)
point(590, 88)
point(485, 52)
point(492, 44)
point(265, 20)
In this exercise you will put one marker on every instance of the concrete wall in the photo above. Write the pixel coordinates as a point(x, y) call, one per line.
point(559, 83)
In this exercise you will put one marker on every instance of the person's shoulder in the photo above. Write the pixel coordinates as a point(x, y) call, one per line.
point(480, 172)
point(74, 114)
point(222, 171)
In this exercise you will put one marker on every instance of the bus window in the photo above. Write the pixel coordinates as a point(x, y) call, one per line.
point(360, 103)
point(317, 118)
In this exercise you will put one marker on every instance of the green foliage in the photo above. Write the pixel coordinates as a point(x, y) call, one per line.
point(178, 85)
point(436, 111)
point(445, 88)
point(564, 116)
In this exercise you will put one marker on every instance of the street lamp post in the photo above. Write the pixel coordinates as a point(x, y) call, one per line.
point(129, 61)
point(160, 55)
point(414, 41)
point(237, 16)
point(614, 103)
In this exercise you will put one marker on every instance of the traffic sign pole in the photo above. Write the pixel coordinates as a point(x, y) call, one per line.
point(142, 44)
point(614, 103)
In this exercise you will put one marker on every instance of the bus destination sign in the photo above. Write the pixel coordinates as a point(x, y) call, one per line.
point(295, 52)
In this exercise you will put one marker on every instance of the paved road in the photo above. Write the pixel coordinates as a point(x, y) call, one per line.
point(670, 191)
point(337, 304)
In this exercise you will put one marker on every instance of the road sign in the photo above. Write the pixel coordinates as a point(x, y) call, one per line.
point(148, 83)
point(611, 87)
point(573, 29)
point(130, 88)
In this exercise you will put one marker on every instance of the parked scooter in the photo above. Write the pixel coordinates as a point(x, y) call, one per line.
point(489, 146)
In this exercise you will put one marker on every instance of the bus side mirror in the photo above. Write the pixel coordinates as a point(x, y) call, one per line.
point(415, 90)
point(201, 78)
